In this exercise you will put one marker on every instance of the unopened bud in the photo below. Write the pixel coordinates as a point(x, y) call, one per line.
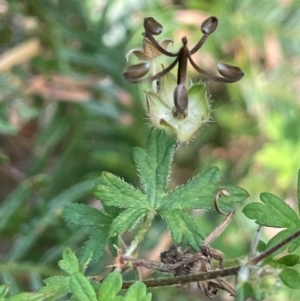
point(136, 71)
point(152, 26)
point(209, 25)
point(231, 72)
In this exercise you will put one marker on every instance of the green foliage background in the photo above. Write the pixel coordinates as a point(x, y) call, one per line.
point(54, 144)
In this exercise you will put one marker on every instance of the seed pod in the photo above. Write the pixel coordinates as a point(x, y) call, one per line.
point(209, 25)
point(231, 72)
point(152, 26)
point(181, 101)
point(136, 71)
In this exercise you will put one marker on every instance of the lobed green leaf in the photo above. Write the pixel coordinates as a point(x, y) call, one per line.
point(126, 220)
point(274, 212)
point(198, 193)
point(181, 224)
point(110, 287)
point(69, 263)
point(154, 164)
point(82, 288)
point(290, 278)
point(83, 215)
point(113, 191)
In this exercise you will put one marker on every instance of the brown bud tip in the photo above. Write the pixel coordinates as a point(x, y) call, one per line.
point(230, 72)
point(136, 71)
point(209, 25)
point(152, 26)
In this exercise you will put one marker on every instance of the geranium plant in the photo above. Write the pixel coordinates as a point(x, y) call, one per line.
point(174, 107)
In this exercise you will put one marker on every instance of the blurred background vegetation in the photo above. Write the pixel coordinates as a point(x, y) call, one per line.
point(66, 114)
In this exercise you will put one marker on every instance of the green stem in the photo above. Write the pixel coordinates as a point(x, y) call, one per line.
point(141, 233)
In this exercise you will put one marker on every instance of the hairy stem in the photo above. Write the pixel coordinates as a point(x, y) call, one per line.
point(141, 233)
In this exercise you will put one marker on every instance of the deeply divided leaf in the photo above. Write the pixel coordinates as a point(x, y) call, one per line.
point(274, 212)
point(182, 225)
point(113, 191)
point(154, 164)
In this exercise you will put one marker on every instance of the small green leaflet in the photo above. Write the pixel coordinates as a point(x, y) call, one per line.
point(83, 215)
point(138, 292)
point(82, 288)
point(289, 260)
point(110, 287)
point(274, 212)
point(78, 284)
point(56, 287)
point(69, 263)
point(154, 165)
point(290, 278)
